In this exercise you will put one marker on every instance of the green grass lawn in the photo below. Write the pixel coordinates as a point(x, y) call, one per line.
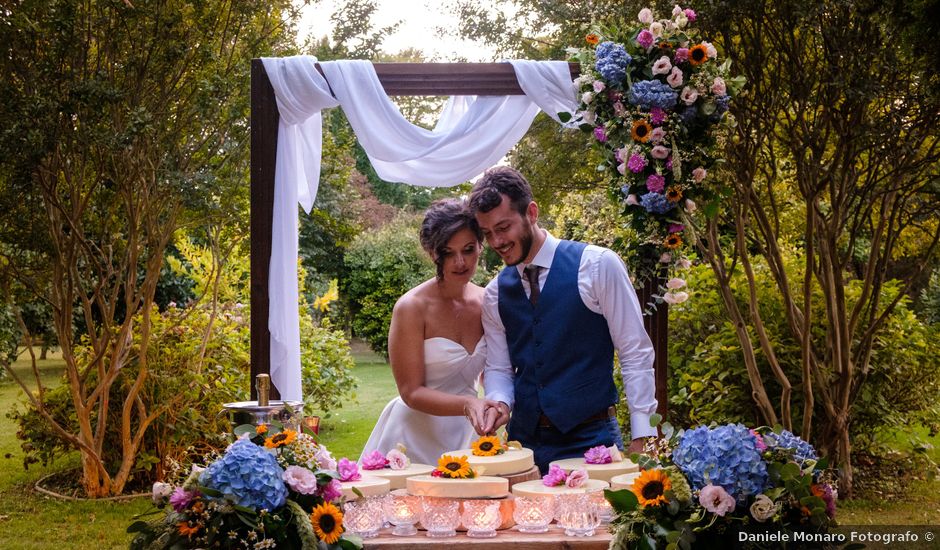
point(29, 520)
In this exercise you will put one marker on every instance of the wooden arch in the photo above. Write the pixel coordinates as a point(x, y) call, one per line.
point(415, 79)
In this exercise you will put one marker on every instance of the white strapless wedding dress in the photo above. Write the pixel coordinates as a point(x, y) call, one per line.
point(450, 369)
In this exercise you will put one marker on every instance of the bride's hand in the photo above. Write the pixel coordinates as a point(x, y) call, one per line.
point(497, 414)
point(475, 410)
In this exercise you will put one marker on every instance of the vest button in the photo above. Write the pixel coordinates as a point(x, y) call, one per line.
point(537, 344)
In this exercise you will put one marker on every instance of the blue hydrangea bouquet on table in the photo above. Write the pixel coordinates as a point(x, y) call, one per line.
point(702, 487)
point(272, 488)
point(655, 96)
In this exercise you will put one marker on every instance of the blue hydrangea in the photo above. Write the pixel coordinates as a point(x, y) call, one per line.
point(652, 93)
point(656, 203)
point(725, 456)
point(689, 114)
point(722, 102)
point(612, 61)
point(802, 450)
point(249, 475)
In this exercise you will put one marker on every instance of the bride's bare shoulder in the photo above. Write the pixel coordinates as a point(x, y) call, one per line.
point(416, 300)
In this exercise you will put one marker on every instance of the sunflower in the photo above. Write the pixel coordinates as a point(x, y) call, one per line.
point(651, 486)
point(188, 530)
point(327, 522)
point(280, 439)
point(674, 193)
point(698, 54)
point(261, 429)
point(673, 241)
point(641, 130)
point(487, 445)
point(592, 39)
point(454, 467)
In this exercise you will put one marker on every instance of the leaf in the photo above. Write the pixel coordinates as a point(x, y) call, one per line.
point(564, 116)
point(358, 492)
point(622, 501)
point(137, 527)
point(655, 419)
point(243, 429)
point(586, 127)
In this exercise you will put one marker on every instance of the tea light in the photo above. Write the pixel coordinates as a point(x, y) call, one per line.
point(440, 516)
point(605, 512)
point(577, 515)
point(364, 517)
point(533, 514)
point(402, 511)
point(481, 518)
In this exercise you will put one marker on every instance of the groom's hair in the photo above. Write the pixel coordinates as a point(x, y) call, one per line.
point(442, 220)
point(497, 181)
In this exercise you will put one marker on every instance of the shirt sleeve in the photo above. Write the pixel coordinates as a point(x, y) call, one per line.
point(498, 375)
point(612, 295)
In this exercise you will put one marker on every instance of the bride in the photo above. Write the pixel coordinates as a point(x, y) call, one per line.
point(436, 347)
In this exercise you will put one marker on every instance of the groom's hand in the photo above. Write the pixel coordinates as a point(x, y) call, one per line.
point(476, 412)
point(497, 414)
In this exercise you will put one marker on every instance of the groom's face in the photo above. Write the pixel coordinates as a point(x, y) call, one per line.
point(507, 231)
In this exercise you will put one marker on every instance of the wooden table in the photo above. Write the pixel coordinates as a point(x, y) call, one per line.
point(554, 539)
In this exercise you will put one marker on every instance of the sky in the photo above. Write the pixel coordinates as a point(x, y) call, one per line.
point(420, 19)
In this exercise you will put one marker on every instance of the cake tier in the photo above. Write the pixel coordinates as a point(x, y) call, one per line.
point(536, 488)
point(397, 477)
point(604, 472)
point(623, 481)
point(513, 461)
point(478, 487)
point(369, 486)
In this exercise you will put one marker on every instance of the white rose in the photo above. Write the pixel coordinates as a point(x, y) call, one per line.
point(681, 20)
point(587, 97)
point(656, 28)
point(676, 10)
point(645, 16)
point(161, 492)
point(710, 50)
point(676, 297)
point(589, 116)
point(764, 508)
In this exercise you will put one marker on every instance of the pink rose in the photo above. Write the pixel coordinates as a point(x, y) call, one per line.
point(675, 283)
point(348, 470)
point(689, 95)
point(598, 86)
point(397, 460)
point(657, 135)
point(300, 480)
point(710, 50)
point(555, 476)
point(675, 77)
point(631, 199)
point(332, 491)
point(598, 455)
point(659, 152)
point(645, 38)
point(675, 297)
point(718, 86)
point(324, 458)
point(662, 66)
point(716, 500)
point(374, 461)
point(676, 10)
point(656, 28)
point(576, 478)
point(699, 174)
point(589, 116)
point(645, 16)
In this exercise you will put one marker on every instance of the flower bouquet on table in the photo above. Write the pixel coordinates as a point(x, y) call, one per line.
point(655, 97)
point(267, 490)
point(710, 485)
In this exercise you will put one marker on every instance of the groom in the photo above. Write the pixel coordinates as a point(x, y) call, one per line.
point(552, 320)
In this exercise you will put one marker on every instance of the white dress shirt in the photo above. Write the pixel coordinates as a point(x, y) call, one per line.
point(606, 289)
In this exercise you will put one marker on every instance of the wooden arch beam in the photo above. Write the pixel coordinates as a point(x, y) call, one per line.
point(402, 79)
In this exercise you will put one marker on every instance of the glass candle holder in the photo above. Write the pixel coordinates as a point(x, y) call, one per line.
point(605, 512)
point(364, 517)
point(533, 514)
point(403, 511)
point(577, 515)
point(481, 518)
point(440, 516)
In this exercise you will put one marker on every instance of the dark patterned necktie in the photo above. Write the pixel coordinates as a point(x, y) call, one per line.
point(532, 275)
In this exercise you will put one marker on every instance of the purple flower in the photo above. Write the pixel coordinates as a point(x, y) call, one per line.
point(657, 115)
point(656, 183)
point(716, 500)
point(348, 470)
point(374, 461)
point(637, 163)
point(181, 498)
point(676, 228)
point(669, 163)
point(645, 38)
point(331, 491)
point(598, 455)
point(555, 476)
point(600, 134)
point(761, 446)
point(690, 13)
point(682, 54)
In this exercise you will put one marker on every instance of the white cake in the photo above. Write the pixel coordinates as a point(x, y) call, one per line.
point(624, 481)
point(513, 461)
point(603, 472)
point(536, 488)
point(398, 477)
point(369, 486)
point(478, 487)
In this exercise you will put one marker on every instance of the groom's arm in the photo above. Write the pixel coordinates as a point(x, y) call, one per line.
point(497, 374)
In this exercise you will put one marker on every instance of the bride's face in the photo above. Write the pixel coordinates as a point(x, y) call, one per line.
point(460, 256)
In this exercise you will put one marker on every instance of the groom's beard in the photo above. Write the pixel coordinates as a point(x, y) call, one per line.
point(525, 242)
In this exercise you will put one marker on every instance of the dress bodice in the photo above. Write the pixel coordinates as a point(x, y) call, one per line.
point(448, 367)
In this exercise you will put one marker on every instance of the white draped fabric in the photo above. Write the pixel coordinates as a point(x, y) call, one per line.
point(472, 134)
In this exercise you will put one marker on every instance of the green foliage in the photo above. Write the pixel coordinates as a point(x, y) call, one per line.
point(929, 303)
point(382, 266)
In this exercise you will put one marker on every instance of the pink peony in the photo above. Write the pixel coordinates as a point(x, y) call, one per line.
point(675, 77)
point(374, 461)
point(645, 16)
point(657, 135)
point(656, 183)
point(598, 455)
point(598, 86)
point(600, 134)
point(675, 283)
point(657, 115)
point(397, 460)
point(645, 38)
point(682, 54)
point(718, 86)
point(348, 470)
point(576, 478)
point(300, 480)
point(632, 200)
point(716, 500)
point(662, 66)
point(181, 498)
point(332, 491)
point(637, 163)
point(555, 476)
point(690, 14)
point(699, 174)
point(688, 95)
point(659, 152)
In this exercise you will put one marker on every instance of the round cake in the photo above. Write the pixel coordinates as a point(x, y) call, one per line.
point(513, 461)
point(397, 477)
point(536, 488)
point(623, 481)
point(369, 486)
point(603, 472)
point(477, 487)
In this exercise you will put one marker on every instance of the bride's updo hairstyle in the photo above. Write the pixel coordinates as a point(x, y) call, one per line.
point(443, 219)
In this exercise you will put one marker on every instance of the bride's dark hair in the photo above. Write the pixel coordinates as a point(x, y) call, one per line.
point(443, 219)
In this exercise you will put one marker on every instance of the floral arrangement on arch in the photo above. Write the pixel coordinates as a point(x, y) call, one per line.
point(269, 489)
point(701, 487)
point(655, 96)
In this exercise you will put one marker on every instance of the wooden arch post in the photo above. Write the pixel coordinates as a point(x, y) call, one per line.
point(415, 79)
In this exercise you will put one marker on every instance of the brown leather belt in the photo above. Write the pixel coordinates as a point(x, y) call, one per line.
point(611, 412)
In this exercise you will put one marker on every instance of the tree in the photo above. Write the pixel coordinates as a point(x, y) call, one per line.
point(122, 122)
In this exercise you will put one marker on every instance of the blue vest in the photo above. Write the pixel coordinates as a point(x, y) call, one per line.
point(561, 351)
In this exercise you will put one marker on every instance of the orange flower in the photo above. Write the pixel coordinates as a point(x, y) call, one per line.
point(327, 522)
point(261, 429)
point(650, 487)
point(187, 530)
point(673, 241)
point(641, 131)
point(674, 193)
point(592, 39)
point(280, 439)
point(698, 54)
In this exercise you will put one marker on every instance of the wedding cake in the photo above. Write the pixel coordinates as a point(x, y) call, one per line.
point(455, 478)
point(601, 463)
point(367, 485)
point(395, 466)
point(624, 481)
point(537, 488)
point(490, 457)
